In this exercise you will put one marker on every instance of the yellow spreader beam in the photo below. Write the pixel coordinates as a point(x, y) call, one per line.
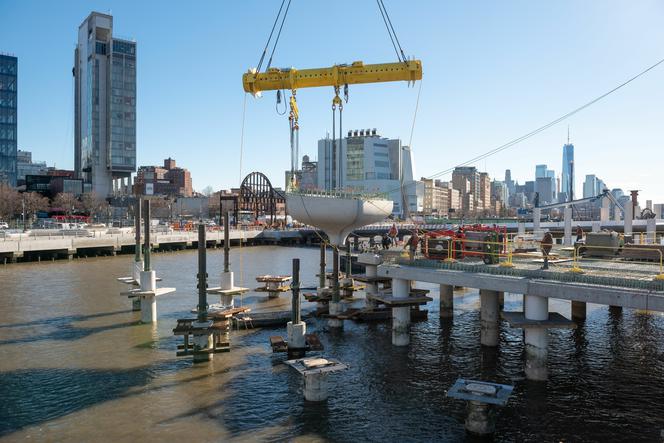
point(337, 75)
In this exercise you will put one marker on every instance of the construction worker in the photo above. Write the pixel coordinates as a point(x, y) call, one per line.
point(579, 233)
point(546, 245)
point(393, 234)
point(412, 244)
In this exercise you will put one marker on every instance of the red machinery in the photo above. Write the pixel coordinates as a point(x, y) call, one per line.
point(480, 241)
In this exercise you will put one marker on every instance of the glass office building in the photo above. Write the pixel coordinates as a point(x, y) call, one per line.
point(8, 105)
point(105, 114)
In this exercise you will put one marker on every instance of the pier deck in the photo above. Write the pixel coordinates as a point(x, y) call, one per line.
point(615, 283)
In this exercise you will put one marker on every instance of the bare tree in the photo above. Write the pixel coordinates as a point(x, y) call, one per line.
point(207, 191)
point(10, 202)
point(92, 203)
point(34, 202)
point(66, 201)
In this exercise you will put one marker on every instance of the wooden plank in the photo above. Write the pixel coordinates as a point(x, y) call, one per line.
point(313, 342)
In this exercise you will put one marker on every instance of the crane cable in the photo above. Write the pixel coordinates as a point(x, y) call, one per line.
point(267, 44)
point(390, 30)
point(276, 40)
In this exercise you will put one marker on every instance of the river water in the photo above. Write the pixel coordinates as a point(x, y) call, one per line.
point(76, 365)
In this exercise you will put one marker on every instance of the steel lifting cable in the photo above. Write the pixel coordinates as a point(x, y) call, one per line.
point(267, 44)
point(276, 40)
point(388, 29)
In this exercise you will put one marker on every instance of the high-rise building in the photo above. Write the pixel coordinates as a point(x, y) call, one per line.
point(567, 176)
point(366, 162)
point(8, 118)
point(540, 171)
point(105, 106)
point(545, 187)
point(25, 166)
point(590, 186)
point(468, 174)
point(485, 191)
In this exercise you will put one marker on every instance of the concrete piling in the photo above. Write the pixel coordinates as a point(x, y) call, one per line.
point(489, 311)
point(401, 314)
point(148, 303)
point(446, 301)
point(578, 310)
point(315, 387)
point(335, 304)
point(536, 338)
point(480, 418)
point(567, 239)
point(370, 262)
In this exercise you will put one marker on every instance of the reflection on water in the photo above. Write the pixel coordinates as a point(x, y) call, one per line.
point(77, 366)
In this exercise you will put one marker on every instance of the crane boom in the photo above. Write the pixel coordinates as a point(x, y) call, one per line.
point(337, 75)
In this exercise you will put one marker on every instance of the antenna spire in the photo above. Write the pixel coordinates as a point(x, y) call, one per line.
point(568, 134)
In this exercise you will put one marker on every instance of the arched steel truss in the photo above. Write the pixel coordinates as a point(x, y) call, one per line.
point(258, 196)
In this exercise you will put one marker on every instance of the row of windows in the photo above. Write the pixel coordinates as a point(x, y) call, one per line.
point(8, 133)
point(8, 119)
point(126, 85)
point(7, 68)
point(7, 85)
point(8, 102)
point(382, 164)
point(124, 47)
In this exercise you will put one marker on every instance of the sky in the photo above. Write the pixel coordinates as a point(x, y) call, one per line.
point(493, 71)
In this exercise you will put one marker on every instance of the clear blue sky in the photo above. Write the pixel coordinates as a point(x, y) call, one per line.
point(492, 71)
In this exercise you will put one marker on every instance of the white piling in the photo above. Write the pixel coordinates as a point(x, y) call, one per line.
point(489, 311)
point(567, 240)
point(148, 280)
point(446, 301)
point(536, 339)
point(315, 387)
point(400, 315)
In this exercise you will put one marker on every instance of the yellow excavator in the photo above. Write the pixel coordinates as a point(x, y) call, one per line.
point(275, 79)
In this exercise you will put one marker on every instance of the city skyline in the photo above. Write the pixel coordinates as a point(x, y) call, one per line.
point(519, 89)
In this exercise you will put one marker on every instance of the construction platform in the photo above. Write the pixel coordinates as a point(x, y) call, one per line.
point(274, 284)
point(312, 343)
point(189, 327)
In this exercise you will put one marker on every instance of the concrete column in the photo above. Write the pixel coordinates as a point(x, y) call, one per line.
point(578, 310)
point(567, 240)
point(296, 341)
point(489, 312)
point(334, 309)
point(203, 341)
point(651, 230)
point(501, 300)
point(596, 226)
point(400, 315)
point(315, 387)
point(604, 211)
point(372, 288)
point(480, 418)
point(629, 216)
point(537, 215)
point(227, 283)
point(148, 281)
point(446, 301)
point(536, 339)
point(521, 228)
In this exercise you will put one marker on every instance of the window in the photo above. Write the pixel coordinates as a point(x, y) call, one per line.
point(100, 48)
